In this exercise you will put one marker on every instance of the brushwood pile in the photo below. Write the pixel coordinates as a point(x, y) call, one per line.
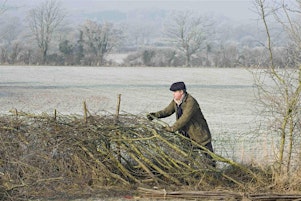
point(46, 156)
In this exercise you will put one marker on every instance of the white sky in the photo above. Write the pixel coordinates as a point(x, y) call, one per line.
point(234, 9)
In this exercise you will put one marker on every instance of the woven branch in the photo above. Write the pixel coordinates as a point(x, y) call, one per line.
point(42, 155)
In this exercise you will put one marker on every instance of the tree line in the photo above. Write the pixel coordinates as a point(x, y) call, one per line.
point(185, 39)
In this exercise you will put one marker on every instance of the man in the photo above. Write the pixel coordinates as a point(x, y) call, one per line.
point(190, 120)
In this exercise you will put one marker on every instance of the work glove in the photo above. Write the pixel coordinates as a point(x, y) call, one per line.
point(168, 129)
point(150, 117)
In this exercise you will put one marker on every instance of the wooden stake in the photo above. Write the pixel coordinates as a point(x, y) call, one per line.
point(85, 111)
point(118, 108)
point(116, 122)
point(16, 113)
point(55, 114)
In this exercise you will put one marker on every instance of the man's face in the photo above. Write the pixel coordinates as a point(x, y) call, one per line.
point(177, 95)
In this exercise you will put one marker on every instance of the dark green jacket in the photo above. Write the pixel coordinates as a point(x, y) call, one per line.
point(192, 120)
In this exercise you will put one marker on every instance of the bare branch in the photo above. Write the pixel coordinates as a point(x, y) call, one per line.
point(187, 33)
point(3, 7)
point(43, 21)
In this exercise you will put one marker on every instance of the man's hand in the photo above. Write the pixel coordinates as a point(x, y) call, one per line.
point(150, 116)
point(168, 129)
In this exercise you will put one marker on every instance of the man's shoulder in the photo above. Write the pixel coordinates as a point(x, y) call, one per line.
point(190, 98)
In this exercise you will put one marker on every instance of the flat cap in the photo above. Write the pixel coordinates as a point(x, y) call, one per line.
point(177, 86)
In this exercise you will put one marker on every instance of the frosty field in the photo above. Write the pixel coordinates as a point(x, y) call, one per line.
point(226, 97)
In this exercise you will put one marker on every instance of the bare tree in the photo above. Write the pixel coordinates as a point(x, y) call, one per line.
point(100, 39)
point(281, 97)
point(43, 21)
point(10, 30)
point(140, 34)
point(187, 33)
point(3, 7)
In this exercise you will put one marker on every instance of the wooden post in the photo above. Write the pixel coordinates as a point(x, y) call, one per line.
point(85, 111)
point(116, 122)
point(16, 113)
point(118, 108)
point(55, 113)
